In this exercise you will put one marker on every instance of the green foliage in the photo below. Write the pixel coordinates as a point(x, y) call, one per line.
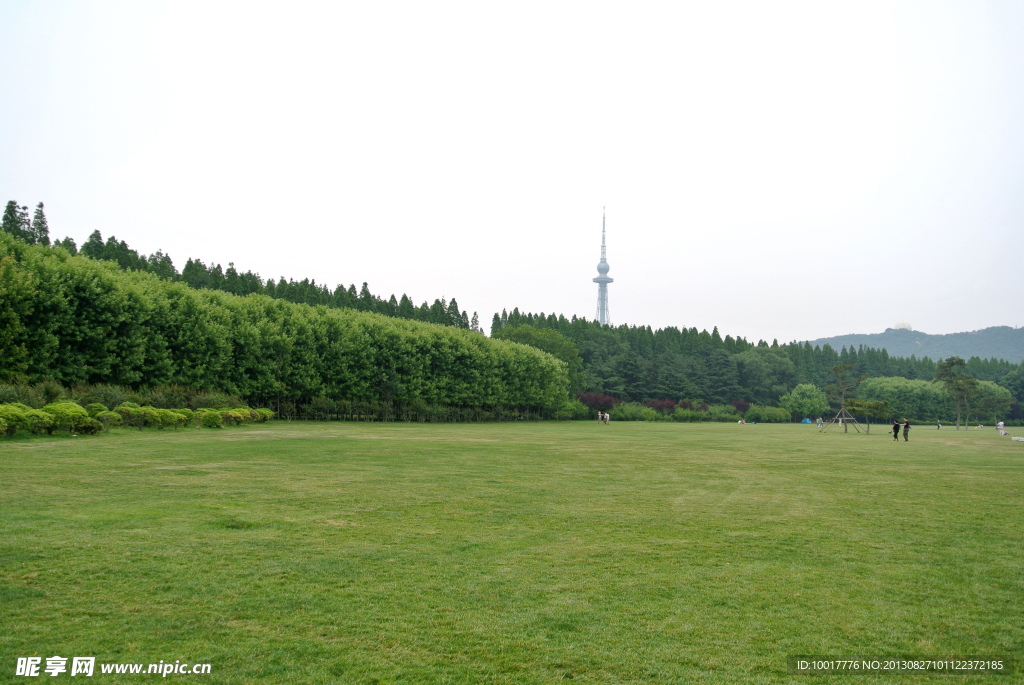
point(869, 409)
point(95, 408)
point(958, 384)
point(687, 415)
point(757, 414)
point(805, 401)
point(633, 411)
point(68, 415)
point(107, 395)
point(264, 415)
point(555, 344)
point(165, 418)
point(38, 422)
point(1014, 382)
point(915, 399)
point(89, 322)
point(574, 410)
point(138, 417)
point(188, 415)
point(764, 374)
point(109, 419)
point(14, 419)
point(210, 418)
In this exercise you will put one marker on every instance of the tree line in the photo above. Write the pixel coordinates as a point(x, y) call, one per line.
point(640, 364)
point(197, 274)
point(81, 321)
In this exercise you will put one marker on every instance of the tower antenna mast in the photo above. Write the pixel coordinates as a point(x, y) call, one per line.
point(602, 279)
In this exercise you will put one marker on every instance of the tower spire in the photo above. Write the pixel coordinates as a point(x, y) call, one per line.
point(602, 279)
point(603, 254)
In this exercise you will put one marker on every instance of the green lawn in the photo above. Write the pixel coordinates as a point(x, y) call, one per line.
point(518, 552)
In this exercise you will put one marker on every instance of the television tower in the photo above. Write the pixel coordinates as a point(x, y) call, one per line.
point(602, 282)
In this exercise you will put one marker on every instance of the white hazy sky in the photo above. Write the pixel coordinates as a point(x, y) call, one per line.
point(780, 170)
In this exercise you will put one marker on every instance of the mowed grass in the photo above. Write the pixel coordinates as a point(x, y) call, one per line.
point(519, 552)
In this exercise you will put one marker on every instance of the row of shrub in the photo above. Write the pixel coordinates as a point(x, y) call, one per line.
point(94, 417)
point(634, 411)
point(38, 395)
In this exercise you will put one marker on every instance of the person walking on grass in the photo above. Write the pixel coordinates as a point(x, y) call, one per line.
point(895, 430)
point(938, 424)
point(906, 430)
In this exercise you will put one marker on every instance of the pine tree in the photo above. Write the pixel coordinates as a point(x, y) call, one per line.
point(39, 226)
point(406, 309)
point(474, 324)
point(365, 299)
point(16, 222)
point(495, 323)
point(93, 247)
point(454, 316)
point(10, 222)
point(69, 245)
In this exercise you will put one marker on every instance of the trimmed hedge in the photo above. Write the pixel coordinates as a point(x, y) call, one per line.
point(80, 321)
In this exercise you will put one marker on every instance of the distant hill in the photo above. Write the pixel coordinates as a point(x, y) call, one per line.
point(1001, 342)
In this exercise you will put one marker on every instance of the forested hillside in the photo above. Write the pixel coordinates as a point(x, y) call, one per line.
point(999, 342)
point(81, 321)
point(35, 230)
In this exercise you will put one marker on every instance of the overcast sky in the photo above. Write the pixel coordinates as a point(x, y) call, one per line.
point(780, 170)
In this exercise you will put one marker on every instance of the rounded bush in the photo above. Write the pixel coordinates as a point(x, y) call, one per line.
point(188, 414)
point(89, 426)
point(38, 421)
point(109, 419)
point(67, 415)
point(95, 408)
point(265, 415)
point(211, 419)
point(13, 418)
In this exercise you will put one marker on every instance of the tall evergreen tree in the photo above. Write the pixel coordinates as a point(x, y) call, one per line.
point(406, 309)
point(16, 222)
point(93, 246)
point(68, 244)
point(40, 228)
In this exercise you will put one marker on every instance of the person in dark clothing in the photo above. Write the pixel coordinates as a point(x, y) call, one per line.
point(895, 430)
point(906, 430)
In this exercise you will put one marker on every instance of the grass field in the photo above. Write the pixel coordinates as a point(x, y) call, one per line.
point(525, 553)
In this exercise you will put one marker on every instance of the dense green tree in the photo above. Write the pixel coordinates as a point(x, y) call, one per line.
point(40, 227)
point(960, 385)
point(68, 244)
point(555, 344)
point(869, 409)
point(17, 223)
point(843, 384)
point(805, 401)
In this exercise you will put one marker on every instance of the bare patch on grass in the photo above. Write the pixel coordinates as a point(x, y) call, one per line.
point(339, 522)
